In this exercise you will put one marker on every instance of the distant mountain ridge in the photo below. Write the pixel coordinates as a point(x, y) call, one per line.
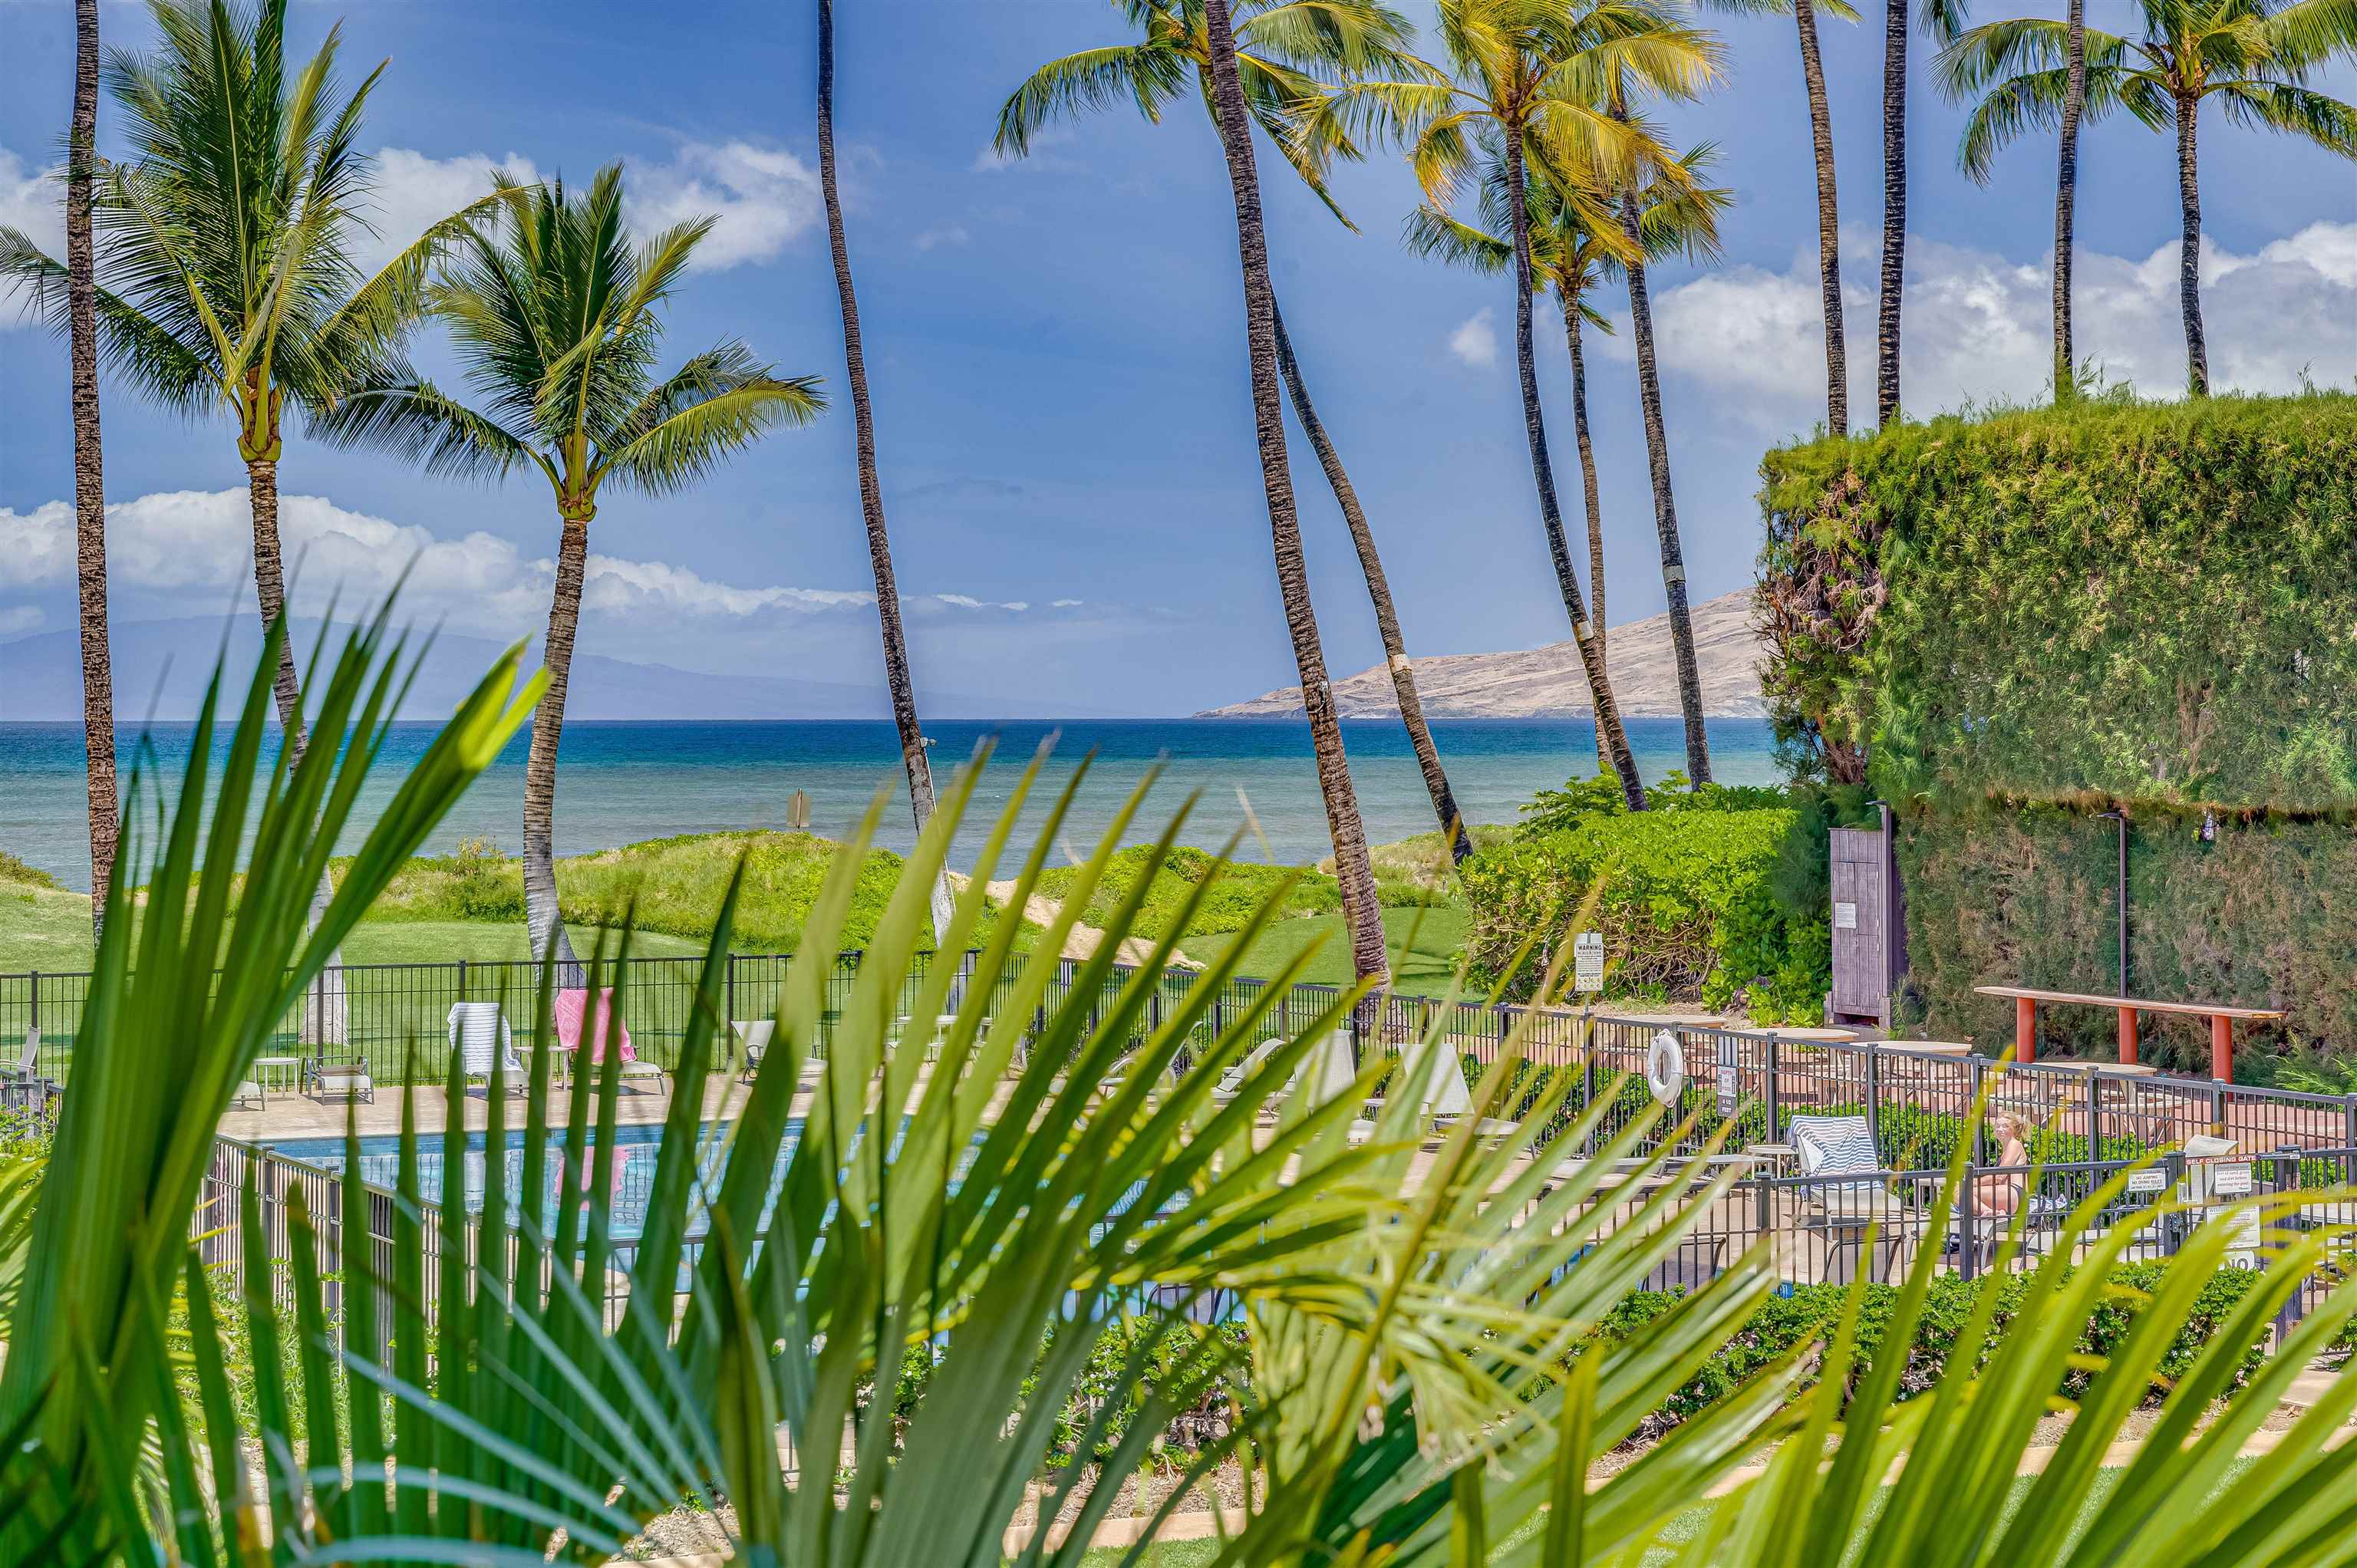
point(1551, 682)
point(161, 667)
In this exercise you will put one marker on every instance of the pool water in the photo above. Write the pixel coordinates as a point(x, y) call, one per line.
point(636, 1150)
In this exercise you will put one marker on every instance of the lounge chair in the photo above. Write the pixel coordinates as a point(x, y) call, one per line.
point(350, 1079)
point(753, 1037)
point(248, 1092)
point(1841, 1212)
point(1231, 1081)
point(479, 1034)
point(29, 1061)
point(576, 1030)
point(1442, 1099)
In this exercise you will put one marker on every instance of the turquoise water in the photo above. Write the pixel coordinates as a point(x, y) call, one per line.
point(622, 782)
point(635, 1152)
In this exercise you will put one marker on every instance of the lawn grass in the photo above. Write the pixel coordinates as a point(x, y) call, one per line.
point(1425, 941)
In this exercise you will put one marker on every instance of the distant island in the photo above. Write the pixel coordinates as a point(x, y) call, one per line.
point(1548, 682)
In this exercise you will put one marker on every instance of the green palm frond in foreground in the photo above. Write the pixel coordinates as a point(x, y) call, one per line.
point(1420, 1315)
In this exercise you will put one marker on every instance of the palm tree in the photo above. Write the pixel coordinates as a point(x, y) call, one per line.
point(90, 474)
point(1286, 51)
point(1362, 915)
point(1944, 20)
point(1821, 137)
point(229, 231)
point(1894, 210)
point(228, 276)
point(1657, 461)
point(896, 679)
point(2253, 56)
point(556, 317)
point(1679, 218)
point(2066, 191)
point(1525, 72)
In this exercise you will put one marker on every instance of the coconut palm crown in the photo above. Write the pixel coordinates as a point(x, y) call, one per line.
point(557, 315)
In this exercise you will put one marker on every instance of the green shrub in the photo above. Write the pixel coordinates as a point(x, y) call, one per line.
point(1598, 795)
point(668, 885)
point(1230, 904)
point(15, 870)
point(1688, 913)
point(1807, 1314)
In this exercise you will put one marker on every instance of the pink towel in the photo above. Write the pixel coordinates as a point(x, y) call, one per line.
point(572, 1005)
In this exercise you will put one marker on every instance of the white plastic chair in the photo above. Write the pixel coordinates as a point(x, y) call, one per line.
point(753, 1037)
point(479, 1034)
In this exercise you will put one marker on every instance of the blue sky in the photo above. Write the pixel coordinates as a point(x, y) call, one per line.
point(1056, 348)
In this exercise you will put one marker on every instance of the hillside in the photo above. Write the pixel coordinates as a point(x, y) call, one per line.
point(1549, 682)
point(161, 666)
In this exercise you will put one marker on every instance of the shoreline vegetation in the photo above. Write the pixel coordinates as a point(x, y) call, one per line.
point(470, 904)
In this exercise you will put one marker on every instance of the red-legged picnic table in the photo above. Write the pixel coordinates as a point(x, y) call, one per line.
point(2221, 1016)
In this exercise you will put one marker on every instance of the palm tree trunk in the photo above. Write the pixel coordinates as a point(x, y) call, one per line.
point(2066, 196)
point(1666, 505)
point(324, 1015)
point(1821, 135)
point(270, 592)
point(1589, 494)
point(1378, 589)
point(544, 919)
point(1894, 210)
point(2189, 255)
point(1361, 912)
point(1608, 728)
point(871, 494)
point(90, 479)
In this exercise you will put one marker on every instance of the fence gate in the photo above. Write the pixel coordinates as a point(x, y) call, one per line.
point(1869, 937)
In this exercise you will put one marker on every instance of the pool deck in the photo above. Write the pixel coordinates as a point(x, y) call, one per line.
point(288, 1115)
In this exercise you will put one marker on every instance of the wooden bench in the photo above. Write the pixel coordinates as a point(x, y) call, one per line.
point(2222, 1016)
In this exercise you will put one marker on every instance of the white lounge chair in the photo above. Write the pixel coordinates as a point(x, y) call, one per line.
point(479, 1034)
point(753, 1037)
point(1231, 1081)
point(1442, 1099)
point(29, 1061)
point(350, 1079)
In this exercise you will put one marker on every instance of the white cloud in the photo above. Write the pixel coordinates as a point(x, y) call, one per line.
point(762, 197)
point(1475, 341)
point(1978, 325)
point(37, 547)
point(186, 543)
point(19, 620)
point(941, 234)
point(1064, 604)
point(413, 192)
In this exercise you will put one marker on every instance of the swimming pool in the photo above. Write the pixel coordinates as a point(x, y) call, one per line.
point(636, 1151)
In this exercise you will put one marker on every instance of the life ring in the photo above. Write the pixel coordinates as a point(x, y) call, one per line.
point(1665, 1068)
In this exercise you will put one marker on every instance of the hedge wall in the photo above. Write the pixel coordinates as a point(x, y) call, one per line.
point(2005, 625)
point(2148, 603)
point(2265, 914)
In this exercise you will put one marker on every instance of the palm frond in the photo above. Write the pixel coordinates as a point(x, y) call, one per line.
point(2291, 110)
point(701, 428)
point(411, 418)
point(1429, 231)
point(1148, 75)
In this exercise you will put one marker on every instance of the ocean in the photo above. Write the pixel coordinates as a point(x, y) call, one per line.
point(620, 783)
